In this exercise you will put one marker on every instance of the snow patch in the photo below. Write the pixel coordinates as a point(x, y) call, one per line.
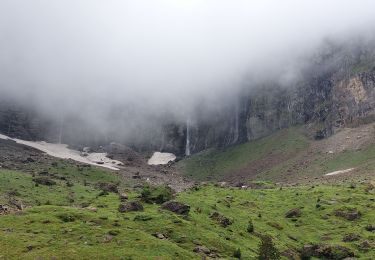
point(159, 158)
point(339, 172)
point(62, 151)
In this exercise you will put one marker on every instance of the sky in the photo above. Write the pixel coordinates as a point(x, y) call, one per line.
point(151, 57)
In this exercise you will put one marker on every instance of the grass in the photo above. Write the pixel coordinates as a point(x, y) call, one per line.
point(363, 160)
point(284, 156)
point(74, 219)
point(64, 229)
point(215, 163)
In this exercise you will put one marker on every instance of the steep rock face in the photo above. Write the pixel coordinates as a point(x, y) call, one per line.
point(354, 99)
point(326, 102)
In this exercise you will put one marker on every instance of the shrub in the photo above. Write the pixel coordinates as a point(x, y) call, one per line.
point(250, 226)
point(65, 217)
point(267, 250)
point(156, 194)
point(237, 253)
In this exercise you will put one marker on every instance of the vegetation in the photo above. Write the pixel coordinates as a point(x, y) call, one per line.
point(267, 250)
point(156, 194)
point(214, 164)
point(287, 155)
point(74, 222)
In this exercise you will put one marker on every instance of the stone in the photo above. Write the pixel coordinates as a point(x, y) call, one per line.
point(107, 186)
point(221, 219)
point(202, 249)
point(176, 207)
point(351, 237)
point(130, 206)
point(123, 196)
point(350, 214)
point(293, 213)
point(324, 251)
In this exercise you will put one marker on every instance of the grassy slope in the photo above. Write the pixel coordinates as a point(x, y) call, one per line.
point(41, 227)
point(289, 143)
point(215, 163)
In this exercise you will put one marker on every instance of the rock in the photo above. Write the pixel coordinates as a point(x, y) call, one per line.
point(29, 159)
point(123, 196)
point(202, 249)
point(351, 237)
point(130, 206)
point(223, 184)
point(370, 228)
point(107, 238)
point(176, 207)
point(324, 251)
point(136, 176)
point(92, 209)
point(44, 181)
point(107, 186)
point(293, 213)
point(159, 235)
point(365, 246)
point(221, 219)
point(348, 213)
point(4, 209)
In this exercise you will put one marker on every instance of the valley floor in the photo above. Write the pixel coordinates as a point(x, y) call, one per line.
point(59, 209)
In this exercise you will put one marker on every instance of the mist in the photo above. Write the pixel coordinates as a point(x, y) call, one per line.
point(122, 64)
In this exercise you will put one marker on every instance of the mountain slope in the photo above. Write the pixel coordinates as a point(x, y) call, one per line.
point(288, 156)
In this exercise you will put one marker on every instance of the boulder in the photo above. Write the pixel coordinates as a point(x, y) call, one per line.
point(107, 187)
point(324, 251)
point(4, 209)
point(202, 249)
point(176, 207)
point(348, 213)
point(370, 228)
point(44, 181)
point(351, 237)
point(221, 219)
point(130, 206)
point(123, 196)
point(293, 213)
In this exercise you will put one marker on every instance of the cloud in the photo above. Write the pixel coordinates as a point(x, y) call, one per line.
point(151, 57)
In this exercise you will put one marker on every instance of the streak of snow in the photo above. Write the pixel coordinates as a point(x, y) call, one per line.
point(161, 158)
point(62, 151)
point(339, 172)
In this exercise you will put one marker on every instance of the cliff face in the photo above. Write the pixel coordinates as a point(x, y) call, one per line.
point(337, 91)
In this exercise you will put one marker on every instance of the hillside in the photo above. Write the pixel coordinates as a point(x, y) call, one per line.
point(289, 156)
point(61, 209)
point(75, 219)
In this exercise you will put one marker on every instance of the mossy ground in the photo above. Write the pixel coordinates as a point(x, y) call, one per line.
point(65, 230)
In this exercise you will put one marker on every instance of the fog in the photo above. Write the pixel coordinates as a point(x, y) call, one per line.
point(127, 63)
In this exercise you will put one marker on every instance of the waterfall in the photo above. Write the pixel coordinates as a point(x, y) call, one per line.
point(61, 129)
point(187, 147)
point(236, 124)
